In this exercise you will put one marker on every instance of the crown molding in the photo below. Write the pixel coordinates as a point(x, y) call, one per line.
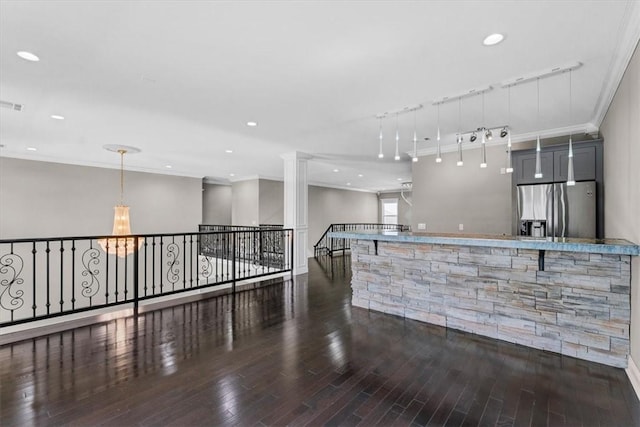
point(628, 40)
point(94, 164)
point(339, 187)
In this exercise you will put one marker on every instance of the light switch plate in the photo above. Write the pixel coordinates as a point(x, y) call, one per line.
point(461, 227)
point(422, 226)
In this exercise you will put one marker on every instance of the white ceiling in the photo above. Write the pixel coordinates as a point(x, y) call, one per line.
point(179, 79)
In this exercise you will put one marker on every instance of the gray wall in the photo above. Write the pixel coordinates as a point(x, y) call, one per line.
point(445, 195)
point(271, 201)
point(261, 201)
point(42, 199)
point(331, 205)
point(404, 210)
point(245, 203)
point(621, 132)
point(216, 204)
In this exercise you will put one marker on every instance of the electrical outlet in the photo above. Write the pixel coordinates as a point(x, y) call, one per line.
point(422, 226)
point(461, 227)
point(503, 171)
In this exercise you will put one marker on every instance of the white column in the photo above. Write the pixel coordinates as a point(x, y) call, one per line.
point(296, 214)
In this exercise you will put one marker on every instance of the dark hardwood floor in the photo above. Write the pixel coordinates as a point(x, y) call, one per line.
point(298, 354)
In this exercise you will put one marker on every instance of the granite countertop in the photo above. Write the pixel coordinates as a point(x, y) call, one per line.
point(602, 246)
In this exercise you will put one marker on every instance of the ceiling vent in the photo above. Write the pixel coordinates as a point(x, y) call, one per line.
point(11, 105)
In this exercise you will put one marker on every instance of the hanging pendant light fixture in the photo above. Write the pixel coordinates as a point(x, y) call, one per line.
point(507, 133)
point(438, 153)
point(380, 153)
point(485, 135)
point(121, 224)
point(397, 156)
point(538, 173)
point(415, 139)
point(570, 177)
point(460, 162)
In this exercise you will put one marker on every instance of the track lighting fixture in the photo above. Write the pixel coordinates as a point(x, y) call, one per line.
point(503, 132)
point(473, 137)
point(488, 134)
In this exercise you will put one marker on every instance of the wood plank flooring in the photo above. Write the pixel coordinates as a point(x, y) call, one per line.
point(296, 353)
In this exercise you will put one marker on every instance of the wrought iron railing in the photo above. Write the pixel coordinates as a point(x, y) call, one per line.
point(329, 246)
point(51, 277)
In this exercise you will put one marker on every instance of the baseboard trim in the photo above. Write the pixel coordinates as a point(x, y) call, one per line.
point(633, 372)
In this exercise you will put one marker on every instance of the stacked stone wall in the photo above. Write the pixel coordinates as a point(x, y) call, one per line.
point(578, 306)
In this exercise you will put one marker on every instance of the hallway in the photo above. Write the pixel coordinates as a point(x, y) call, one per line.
point(297, 353)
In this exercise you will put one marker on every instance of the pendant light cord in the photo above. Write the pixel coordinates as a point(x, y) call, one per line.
point(509, 105)
point(483, 122)
point(122, 176)
point(538, 116)
point(438, 136)
point(459, 117)
point(570, 106)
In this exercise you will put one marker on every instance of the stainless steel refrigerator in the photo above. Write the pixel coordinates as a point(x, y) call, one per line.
point(555, 210)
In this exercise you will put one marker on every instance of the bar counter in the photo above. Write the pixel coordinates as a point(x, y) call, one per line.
point(570, 296)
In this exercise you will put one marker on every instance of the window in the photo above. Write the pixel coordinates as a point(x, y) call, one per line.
point(389, 208)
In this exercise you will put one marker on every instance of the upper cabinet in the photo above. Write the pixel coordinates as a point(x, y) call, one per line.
point(584, 164)
point(525, 168)
point(587, 163)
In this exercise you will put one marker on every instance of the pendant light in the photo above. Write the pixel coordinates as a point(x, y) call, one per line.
point(121, 224)
point(509, 168)
point(460, 162)
point(538, 173)
point(415, 138)
point(397, 156)
point(484, 138)
point(380, 153)
point(570, 177)
point(438, 153)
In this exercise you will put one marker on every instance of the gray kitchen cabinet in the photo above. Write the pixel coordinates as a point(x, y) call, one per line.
point(584, 164)
point(525, 168)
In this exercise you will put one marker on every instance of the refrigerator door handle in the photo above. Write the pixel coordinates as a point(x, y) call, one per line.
point(550, 217)
point(561, 210)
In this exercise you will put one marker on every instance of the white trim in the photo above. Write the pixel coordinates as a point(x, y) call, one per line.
point(628, 39)
point(633, 372)
point(339, 187)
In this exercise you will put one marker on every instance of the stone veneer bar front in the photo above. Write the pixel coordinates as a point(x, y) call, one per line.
point(571, 296)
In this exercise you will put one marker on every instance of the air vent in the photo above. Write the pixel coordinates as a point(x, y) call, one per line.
point(11, 105)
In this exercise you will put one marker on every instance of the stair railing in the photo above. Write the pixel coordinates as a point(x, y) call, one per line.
point(329, 246)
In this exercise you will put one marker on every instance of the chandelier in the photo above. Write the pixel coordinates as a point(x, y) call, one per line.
point(121, 246)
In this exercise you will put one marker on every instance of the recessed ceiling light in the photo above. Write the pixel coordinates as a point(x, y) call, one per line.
point(252, 124)
point(399, 179)
point(232, 174)
point(228, 151)
point(348, 183)
point(336, 170)
point(493, 39)
point(28, 56)
point(360, 175)
point(57, 117)
point(168, 166)
point(32, 149)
